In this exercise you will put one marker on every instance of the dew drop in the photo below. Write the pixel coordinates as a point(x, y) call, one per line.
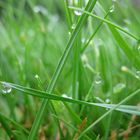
point(40, 9)
point(73, 26)
point(36, 9)
point(36, 76)
point(83, 40)
point(107, 101)
point(84, 59)
point(137, 75)
point(119, 87)
point(6, 88)
point(77, 13)
point(98, 79)
point(65, 96)
point(124, 68)
point(69, 33)
point(139, 48)
point(112, 8)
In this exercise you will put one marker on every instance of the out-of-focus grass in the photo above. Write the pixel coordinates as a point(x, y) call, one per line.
point(106, 69)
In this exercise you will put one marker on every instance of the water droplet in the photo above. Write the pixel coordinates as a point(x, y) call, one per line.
point(69, 33)
point(36, 76)
point(36, 9)
point(6, 88)
point(40, 9)
point(83, 40)
point(137, 75)
point(139, 48)
point(65, 96)
point(84, 59)
point(98, 79)
point(112, 8)
point(124, 68)
point(77, 13)
point(107, 101)
point(73, 26)
point(119, 87)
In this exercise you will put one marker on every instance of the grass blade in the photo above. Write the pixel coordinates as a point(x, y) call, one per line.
point(94, 33)
point(106, 21)
point(127, 50)
point(108, 112)
point(46, 95)
point(124, 46)
point(7, 128)
point(59, 68)
point(14, 123)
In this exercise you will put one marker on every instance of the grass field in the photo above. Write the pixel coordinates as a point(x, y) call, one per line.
point(69, 70)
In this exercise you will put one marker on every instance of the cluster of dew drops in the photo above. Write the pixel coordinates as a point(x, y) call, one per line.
point(80, 12)
point(98, 78)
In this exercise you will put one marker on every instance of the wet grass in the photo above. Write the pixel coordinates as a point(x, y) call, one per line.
point(69, 70)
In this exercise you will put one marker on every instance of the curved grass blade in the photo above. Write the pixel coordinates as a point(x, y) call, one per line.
point(7, 128)
point(59, 69)
point(127, 50)
point(53, 109)
point(41, 94)
point(108, 112)
point(68, 14)
point(14, 123)
point(69, 125)
point(106, 21)
point(124, 46)
point(94, 33)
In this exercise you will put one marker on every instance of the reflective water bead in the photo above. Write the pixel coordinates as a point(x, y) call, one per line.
point(84, 59)
point(124, 68)
point(6, 88)
point(112, 8)
point(65, 96)
point(98, 79)
point(36, 76)
point(139, 48)
point(73, 26)
point(137, 75)
point(107, 100)
point(119, 87)
point(69, 33)
point(77, 13)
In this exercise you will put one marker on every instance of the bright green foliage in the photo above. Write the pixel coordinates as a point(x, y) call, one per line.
point(69, 69)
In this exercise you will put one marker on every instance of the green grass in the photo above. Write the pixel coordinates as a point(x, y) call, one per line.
point(69, 69)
